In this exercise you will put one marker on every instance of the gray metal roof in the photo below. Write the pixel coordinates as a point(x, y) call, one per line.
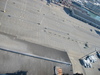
point(13, 62)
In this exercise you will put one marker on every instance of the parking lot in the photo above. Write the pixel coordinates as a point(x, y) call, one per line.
point(44, 29)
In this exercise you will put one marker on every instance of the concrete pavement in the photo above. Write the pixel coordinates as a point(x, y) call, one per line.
point(35, 22)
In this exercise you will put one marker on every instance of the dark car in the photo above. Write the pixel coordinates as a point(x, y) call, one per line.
point(98, 54)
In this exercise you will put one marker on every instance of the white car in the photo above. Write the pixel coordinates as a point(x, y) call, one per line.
point(89, 65)
point(86, 63)
point(92, 58)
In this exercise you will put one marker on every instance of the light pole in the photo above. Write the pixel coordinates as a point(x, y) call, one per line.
point(5, 6)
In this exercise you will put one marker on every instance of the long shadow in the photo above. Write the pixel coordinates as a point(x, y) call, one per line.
point(98, 32)
point(68, 11)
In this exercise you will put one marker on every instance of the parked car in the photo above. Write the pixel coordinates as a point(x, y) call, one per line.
point(86, 63)
point(92, 58)
point(99, 69)
point(98, 54)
